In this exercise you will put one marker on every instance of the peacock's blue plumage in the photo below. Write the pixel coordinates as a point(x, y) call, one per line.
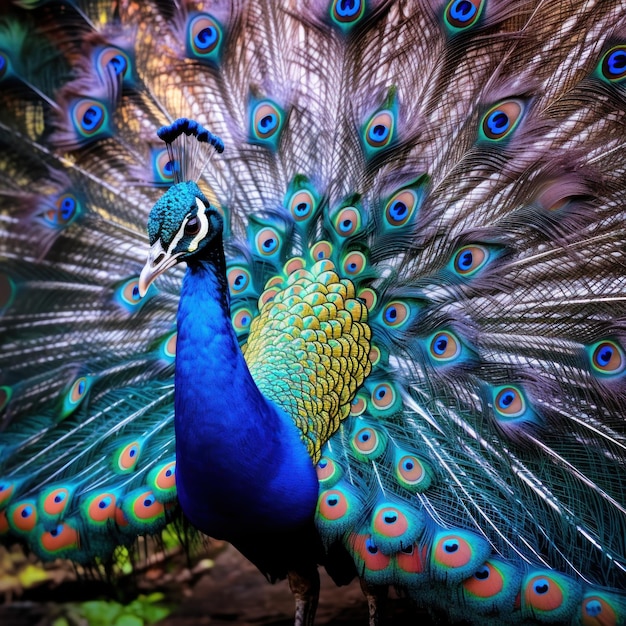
point(399, 347)
point(234, 474)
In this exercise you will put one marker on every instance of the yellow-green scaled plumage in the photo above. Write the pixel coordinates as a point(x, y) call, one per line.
point(316, 322)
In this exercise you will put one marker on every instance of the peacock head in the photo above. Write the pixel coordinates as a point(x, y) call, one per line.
point(181, 224)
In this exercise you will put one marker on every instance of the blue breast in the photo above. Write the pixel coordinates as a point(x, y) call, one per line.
point(242, 467)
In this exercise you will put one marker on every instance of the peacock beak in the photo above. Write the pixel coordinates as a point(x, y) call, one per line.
point(159, 260)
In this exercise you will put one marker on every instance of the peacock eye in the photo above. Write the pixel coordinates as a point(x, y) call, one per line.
point(192, 227)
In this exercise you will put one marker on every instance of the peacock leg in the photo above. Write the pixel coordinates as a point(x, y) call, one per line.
point(376, 602)
point(305, 587)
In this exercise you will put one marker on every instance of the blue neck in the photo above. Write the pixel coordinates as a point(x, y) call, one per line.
point(241, 465)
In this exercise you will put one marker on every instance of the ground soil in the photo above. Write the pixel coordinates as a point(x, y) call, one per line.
point(223, 590)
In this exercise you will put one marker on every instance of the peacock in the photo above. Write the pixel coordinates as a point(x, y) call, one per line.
point(342, 282)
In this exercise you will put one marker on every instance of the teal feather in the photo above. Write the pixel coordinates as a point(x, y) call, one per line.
point(428, 197)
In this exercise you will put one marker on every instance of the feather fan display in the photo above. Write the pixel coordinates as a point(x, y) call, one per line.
point(360, 303)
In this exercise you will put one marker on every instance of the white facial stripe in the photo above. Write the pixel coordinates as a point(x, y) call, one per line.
point(204, 229)
point(179, 235)
point(204, 225)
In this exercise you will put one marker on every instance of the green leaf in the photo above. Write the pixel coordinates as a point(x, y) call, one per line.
point(101, 613)
point(128, 620)
point(32, 575)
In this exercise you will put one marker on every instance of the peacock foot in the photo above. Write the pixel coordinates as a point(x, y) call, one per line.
point(376, 596)
point(305, 587)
